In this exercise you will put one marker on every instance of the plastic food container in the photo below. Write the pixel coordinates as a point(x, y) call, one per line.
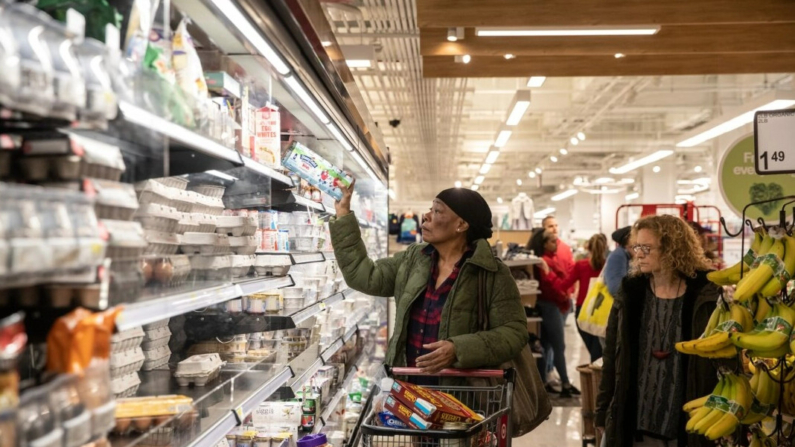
point(234, 306)
point(126, 362)
point(198, 369)
point(243, 245)
point(156, 338)
point(156, 358)
point(125, 386)
point(140, 414)
point(126, 340)
point(154, 216)
point(161, 243)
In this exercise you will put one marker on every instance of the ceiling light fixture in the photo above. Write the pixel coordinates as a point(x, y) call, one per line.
point(631, 166)
point(484, 168)
point(697, 169)
point(358, 56)
point(538, 170)
point(775, 100)
point(536, 81)
point(458, 184)
point(509, 56)
point(474, 187)
point(391, 193)
point(479, 179)
point(451, 35)
point(544, 213)
point(695, 181)
point(521, 101)
point(310, 102)
point(656, 169)
point(519, 182)
point(563, 151)
point(581, 136)
point(358, 63)
point(239, 20)
point(604, 180)
point(325, 43)
point(627, 181)
point(564, 195)
point(531, 174)
point(620, 55)
point(466, 58)
point(574, 141)
point(492, 156)
point(632, 196)
point(554, 159)
point(502, 138)
point(499, 199)
point(550, 31)
point(338, 135)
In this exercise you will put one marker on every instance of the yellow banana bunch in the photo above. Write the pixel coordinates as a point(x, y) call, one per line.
point(762, 309)
point(775, 284)
point(731, 275)
point(766, 393)
point(788, 399)
point(720, 413)
point(768, 338)
point(759, 439)
point(715, 342)
point(767, 263)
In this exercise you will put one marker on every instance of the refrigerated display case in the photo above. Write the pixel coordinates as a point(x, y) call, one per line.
point(142, 176)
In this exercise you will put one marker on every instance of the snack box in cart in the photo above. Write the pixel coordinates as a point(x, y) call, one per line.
point(435, 406)
point(316, 170)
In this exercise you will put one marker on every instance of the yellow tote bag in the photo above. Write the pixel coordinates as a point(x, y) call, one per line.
point(596, 308)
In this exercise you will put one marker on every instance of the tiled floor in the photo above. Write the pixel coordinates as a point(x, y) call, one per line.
point(563, 429)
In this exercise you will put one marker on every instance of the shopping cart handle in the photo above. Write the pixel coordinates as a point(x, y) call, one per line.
point(450, 372)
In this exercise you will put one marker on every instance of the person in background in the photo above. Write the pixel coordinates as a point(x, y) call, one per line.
point(702, 237)
point(617, 264)
point(564, 255)
point(666, 299)
point(582, 272)
point(436, 286)
point(553, 304)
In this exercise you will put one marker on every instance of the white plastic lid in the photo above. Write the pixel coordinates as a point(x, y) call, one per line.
point(386, 384)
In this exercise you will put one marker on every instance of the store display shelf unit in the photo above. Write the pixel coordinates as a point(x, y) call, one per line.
point(522, 262)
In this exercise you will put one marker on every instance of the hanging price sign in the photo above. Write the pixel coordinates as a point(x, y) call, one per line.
point(774, 142)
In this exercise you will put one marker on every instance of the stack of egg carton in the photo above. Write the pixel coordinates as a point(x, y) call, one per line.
point(126, 359)
point(155, 345)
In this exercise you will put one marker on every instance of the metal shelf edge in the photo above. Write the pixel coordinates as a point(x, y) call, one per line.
point(307, 258)
point(263, 284)
point(329, 352)
point(301, 380)
point(267, 171)
point(266, 390)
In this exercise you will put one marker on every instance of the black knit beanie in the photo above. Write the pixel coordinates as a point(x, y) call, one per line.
point(472, 207)
point(621, 236)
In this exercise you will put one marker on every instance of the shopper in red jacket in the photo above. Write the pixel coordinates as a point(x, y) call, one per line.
point(582, 272)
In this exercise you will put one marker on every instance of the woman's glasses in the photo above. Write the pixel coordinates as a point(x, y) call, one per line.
point(646, 249)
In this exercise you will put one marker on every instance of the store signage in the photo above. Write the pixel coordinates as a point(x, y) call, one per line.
point(740, 184)
point(774, 142)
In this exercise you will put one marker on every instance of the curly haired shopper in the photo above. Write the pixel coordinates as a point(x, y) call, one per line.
point(665, 299)
point(435, 286)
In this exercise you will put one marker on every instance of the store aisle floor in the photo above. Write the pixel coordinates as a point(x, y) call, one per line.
point(564, 427)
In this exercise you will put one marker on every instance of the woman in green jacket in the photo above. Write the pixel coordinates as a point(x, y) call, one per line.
point(435, 286)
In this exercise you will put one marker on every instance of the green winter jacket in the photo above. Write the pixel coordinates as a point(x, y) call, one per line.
point(405, 276)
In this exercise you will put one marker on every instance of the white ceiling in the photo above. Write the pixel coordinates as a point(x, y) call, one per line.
point(447, 125)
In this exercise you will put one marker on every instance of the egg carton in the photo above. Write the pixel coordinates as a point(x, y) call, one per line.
point(243, 245)
point(187, 224)
point(171, 270)
point(272, 270)
point(156, 325)
point(209, 190)
point(126, 362)
point(156, 338)
point(126, 340)
point(211, 268)
point(154, 192)
point(114, 200)
point(231, 225)
point(161, 243)
point(179, 183)
point(207, 222)
point(213, 205)
point(158, 217)
point(156, 358)
point(199, 243)
point(198, 370)
point(241, 265)
point(125, 386)
point(125, 239)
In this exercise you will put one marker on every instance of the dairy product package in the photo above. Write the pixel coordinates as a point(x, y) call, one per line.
point(316, 170)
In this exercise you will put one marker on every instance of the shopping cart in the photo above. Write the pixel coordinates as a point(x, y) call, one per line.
point(493, 403)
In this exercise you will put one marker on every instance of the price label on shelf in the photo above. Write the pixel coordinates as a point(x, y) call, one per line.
point(774, 142)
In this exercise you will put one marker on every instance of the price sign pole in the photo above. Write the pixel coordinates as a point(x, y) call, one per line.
point(774, 142)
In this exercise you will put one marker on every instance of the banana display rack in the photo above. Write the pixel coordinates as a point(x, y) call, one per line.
point(751, 341)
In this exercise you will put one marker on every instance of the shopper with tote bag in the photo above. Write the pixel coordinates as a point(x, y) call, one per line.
point(457, 306)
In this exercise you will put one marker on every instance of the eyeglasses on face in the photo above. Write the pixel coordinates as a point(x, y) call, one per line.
point(646, 249)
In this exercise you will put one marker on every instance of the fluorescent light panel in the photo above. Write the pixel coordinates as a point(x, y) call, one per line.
point(358, 63)
point(474, 187)
point(239, 20)
point(502, 138)
point(492, 157)
point(631, 166)
point(729, 122)
point(484, 169)
point(632, 196)
point(479, 179)
point(550, 31)
point(310, 102)
point(536, 81)
point(564, 195)
point(544, 213)
point(338, 135)
point(520, 104)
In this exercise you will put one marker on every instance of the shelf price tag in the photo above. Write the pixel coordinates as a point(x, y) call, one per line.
point(774, 142)
point(322, 305)
point(239, 415)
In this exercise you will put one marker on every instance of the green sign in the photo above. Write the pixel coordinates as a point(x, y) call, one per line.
point(740, 184)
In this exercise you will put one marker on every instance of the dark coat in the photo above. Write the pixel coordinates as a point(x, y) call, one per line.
point(617, 400)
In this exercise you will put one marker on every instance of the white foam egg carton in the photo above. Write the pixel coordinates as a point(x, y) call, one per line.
point(156, 338)
point(243, 245)
point(156, 358)
point(198, 369)
point(126, 362)
point(187, 223)
point(161, 243)
point(154, 216)
point(241, 264)
point(126, 340)
point(125, 386)
point(198, 243)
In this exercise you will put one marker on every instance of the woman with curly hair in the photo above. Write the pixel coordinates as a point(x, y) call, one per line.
point(665, 299)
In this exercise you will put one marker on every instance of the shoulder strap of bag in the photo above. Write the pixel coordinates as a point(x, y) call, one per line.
point(483, 316)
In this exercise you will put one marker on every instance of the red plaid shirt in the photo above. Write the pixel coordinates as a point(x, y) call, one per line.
point(426, 313)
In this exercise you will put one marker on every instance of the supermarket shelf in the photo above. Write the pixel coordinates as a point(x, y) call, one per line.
point(307, 258)
point(206, 326)
point(268, 172)
point(180, 303)
point(299, 381)
point(329, 352)
point(522, 262)
point(303, 201)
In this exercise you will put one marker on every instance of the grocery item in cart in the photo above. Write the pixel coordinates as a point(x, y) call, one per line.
point(406, 414)
point(198, 369)
point(436, 406)
point(316, 170)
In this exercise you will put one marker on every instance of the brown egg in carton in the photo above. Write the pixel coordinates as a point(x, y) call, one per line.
point(169, 271)
point(71, 157)
point(64, 296)
point(142, 414)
